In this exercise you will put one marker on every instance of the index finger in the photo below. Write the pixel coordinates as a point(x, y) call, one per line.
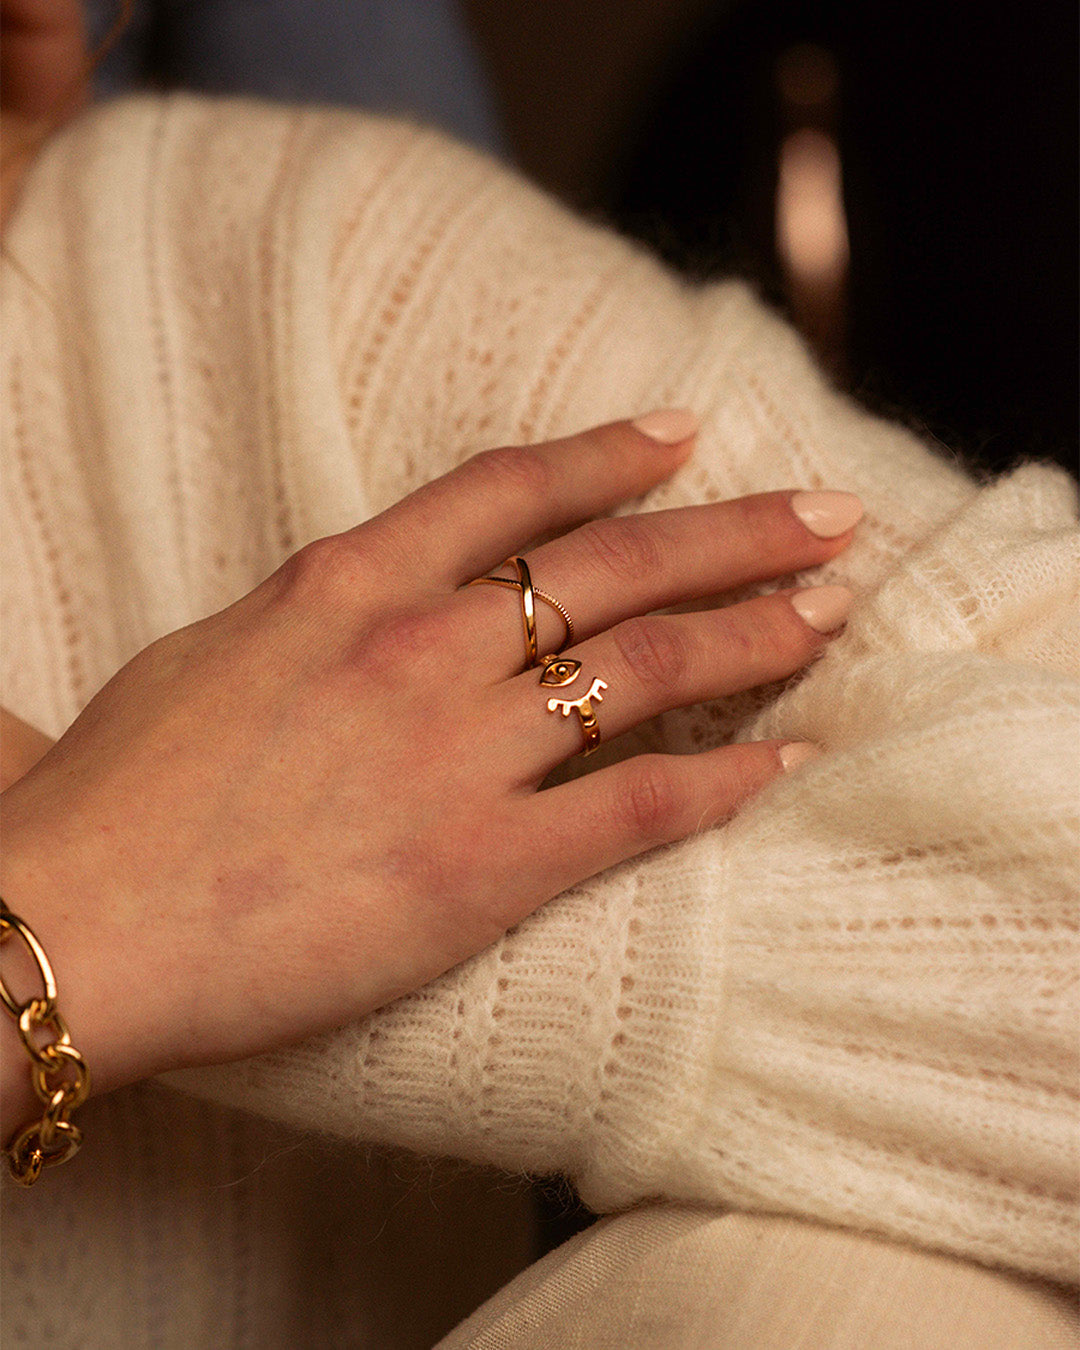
point(471, 518)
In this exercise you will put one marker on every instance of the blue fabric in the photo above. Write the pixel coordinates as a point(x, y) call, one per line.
point(402, 56)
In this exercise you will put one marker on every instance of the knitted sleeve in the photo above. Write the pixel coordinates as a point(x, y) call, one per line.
point(855, 1002)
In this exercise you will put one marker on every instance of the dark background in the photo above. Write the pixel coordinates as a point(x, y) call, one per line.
point(958, 135)
point(956, 123)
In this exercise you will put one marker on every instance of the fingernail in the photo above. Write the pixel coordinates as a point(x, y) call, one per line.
point(669, 426)
point(823, 607)
point(827, 514)
point(798, 752)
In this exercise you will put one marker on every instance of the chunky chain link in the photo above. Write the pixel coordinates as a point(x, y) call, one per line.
point(58, 1071)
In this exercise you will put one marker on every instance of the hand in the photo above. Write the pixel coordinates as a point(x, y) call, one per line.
point(300, 808)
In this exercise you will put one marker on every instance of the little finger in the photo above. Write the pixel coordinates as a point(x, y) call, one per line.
point(603, 818)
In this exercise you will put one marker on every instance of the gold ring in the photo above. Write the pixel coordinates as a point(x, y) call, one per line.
point(563, 670)
point(529, 594)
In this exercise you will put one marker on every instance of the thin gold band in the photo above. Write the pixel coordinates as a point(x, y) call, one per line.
point(528, 610)
point(514, 584)
point(529, 594)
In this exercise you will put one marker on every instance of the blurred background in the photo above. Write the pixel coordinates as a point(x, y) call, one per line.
point(901, 178)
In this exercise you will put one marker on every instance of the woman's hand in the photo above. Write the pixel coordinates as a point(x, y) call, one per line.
point(322, 797)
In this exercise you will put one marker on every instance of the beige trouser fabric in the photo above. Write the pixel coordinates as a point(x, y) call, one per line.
point(670, 1277)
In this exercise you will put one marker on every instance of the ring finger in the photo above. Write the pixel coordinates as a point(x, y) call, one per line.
point(652, 663)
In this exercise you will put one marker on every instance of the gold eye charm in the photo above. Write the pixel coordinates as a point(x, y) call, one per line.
point(559, 670)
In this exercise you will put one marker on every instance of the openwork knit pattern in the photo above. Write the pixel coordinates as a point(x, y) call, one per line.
point(248, 327)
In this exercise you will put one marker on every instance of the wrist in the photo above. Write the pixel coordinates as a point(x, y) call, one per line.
point(18, 1101)
point(118, 967)
point(33, 888)
point(58, 1071)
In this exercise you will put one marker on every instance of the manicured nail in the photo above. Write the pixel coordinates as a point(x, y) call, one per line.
point(827, 514)
point(669, 426)
point(823, 607)
point(798, 752)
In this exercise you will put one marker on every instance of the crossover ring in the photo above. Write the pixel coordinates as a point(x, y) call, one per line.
point(528, 595)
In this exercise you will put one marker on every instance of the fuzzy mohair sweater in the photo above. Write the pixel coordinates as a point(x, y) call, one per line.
point(231, 328)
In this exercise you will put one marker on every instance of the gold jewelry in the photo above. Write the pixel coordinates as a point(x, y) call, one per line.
point(528, 610)
point(527, 591)
point(563, 670)
point(52, 1139)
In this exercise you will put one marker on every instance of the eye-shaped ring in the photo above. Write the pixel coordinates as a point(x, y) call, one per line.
point(559, 670)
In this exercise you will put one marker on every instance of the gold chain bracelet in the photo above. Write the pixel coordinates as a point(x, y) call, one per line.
point(58, 1071)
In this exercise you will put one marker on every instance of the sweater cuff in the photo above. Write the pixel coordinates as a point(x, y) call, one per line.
point(580, 1043)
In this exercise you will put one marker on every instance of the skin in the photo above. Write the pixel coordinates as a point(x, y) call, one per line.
point(300, 808)
point(319, 799)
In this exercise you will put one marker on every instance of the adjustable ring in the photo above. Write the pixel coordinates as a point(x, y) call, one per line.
point(563, 670)
point(529, 594)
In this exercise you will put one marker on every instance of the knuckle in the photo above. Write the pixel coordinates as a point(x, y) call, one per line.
point(757, 638)
point(655, 651)
point(763, 528)
point(625, 547)
point(328, 565)
point(650, 802)
point(401, 645)
point(755, 516)
point(514, 471)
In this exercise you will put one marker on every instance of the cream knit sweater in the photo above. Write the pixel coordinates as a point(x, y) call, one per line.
point(232, 328)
